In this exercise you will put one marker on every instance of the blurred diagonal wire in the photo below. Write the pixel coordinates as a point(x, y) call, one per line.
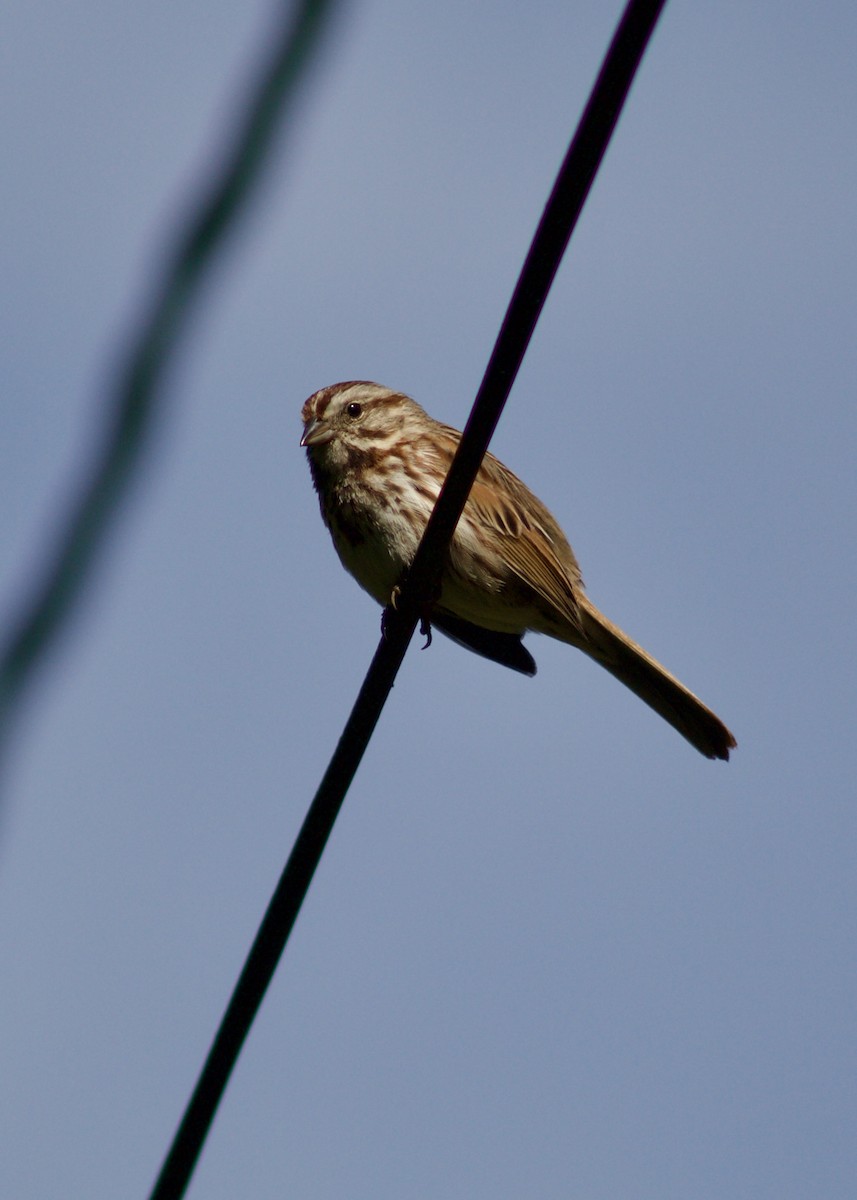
point(133, 406)
point(558, 220)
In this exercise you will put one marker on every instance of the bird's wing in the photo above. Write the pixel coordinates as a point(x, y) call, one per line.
point(530, 541)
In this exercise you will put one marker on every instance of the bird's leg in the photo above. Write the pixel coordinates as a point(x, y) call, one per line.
point(385, 615)
point(425, 616)
point(425, 628)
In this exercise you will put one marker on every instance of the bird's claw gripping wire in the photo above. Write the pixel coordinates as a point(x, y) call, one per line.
point(425, 617)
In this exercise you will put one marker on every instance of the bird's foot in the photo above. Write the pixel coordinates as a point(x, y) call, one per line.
point(393, 606)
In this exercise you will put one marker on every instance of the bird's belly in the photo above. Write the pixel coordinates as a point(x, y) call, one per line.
point(377, 572)
point(473, 586)
point(490, 610)
point(376, 553)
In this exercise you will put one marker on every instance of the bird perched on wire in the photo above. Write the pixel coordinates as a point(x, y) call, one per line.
point(378, 462)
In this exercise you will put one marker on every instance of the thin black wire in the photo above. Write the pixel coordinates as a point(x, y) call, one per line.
point(133, 407)
point(560, 216)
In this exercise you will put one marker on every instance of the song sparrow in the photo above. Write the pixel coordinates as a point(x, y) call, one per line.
point(378, 461)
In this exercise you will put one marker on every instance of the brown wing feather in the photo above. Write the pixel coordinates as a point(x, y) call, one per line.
point(534, 546)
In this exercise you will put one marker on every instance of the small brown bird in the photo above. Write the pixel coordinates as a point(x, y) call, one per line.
point(378, 461)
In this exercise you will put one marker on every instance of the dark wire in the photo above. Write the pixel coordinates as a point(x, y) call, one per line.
point(559, 218)
point(138, 391)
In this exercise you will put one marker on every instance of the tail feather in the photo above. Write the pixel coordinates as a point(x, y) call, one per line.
point(504, 648)
point(644, 675)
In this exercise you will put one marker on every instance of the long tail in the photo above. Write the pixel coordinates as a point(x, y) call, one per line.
point(644, 675)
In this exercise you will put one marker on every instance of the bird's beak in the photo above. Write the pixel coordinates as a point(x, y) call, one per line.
point(316, 432)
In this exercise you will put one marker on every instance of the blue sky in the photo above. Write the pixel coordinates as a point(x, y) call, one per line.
point(550, 950)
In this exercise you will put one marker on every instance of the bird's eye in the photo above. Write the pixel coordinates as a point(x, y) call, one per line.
point(354, 409)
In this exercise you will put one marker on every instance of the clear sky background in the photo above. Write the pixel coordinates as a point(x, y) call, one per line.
point(551, 951)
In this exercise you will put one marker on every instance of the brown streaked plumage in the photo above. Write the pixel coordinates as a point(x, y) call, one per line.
point(378, 461)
